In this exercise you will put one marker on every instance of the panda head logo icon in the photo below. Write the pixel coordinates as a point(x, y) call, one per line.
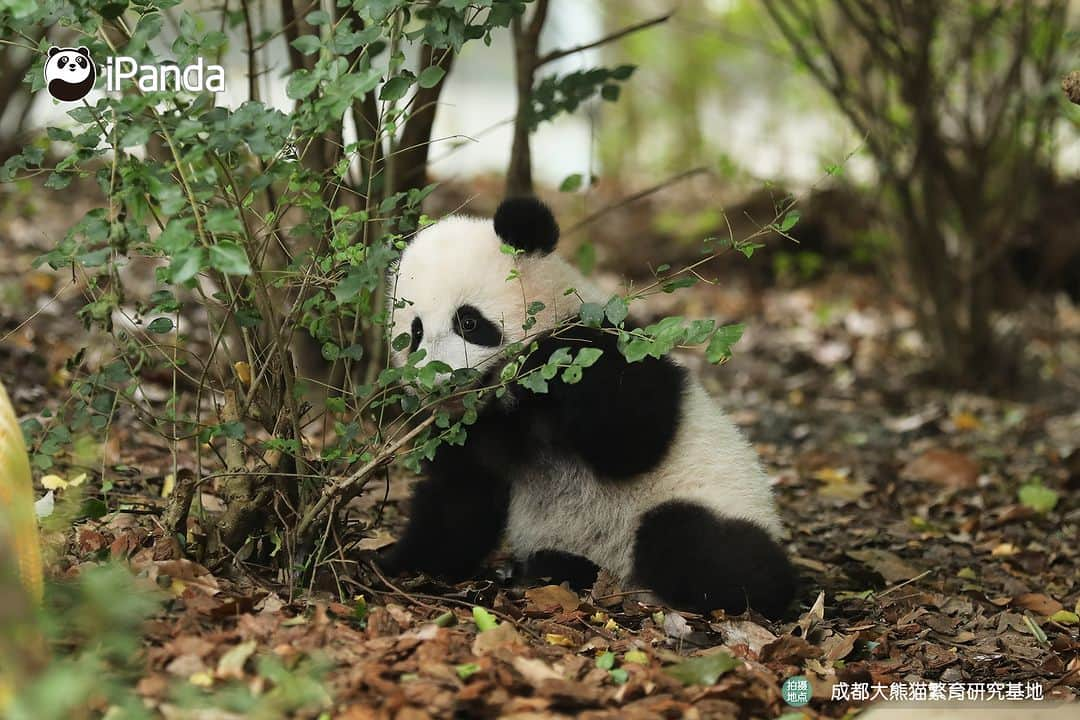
point(69, 73)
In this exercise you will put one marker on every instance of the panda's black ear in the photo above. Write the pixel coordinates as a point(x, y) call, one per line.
point(53, 51)
point(527, 224)
point(82, 50)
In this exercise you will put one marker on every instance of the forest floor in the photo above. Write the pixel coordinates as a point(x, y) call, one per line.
point(937, 535)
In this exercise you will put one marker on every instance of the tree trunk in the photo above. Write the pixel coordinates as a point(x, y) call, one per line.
point(412, 157)
point(519, 179)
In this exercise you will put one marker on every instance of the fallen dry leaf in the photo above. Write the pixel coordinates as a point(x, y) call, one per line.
point(503, 635)
point(534, 671)
point(744, 632)
point(552, 598)
point(886, 564)
point(1038, 603)
point(944, 467)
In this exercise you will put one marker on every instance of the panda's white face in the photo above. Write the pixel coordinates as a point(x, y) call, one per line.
point(72, 65)
point(463, 302)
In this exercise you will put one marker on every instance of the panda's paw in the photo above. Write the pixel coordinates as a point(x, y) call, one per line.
point(698, 561)
point(390, 560)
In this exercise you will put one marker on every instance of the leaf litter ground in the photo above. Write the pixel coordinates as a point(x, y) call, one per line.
point(936, 534)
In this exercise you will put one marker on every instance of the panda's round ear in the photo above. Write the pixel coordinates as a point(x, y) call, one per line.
point(82, 50)
point(527, 224)
point(53, 50)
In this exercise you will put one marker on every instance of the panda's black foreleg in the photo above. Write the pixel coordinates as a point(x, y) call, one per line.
point(561, 567)
point(456, 518)
point(697, 561)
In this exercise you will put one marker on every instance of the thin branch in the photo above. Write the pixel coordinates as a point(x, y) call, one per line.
point(634, 198)
point(561, 53)
point(332, 490)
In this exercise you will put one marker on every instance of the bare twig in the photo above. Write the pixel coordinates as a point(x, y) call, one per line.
point(588, 219)
point(630, 29)
point(333, 490)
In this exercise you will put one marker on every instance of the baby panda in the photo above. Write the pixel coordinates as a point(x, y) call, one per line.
point(69, 73)
point(633, 469)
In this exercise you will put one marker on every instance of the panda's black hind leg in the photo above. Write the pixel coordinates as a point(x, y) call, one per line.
point(561, 567)
point(697, 561)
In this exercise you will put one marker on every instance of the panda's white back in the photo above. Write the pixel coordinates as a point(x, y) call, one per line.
point(560, 504)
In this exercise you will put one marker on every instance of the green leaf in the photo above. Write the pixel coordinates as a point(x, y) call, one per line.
point(1036, 631)
point(636, 349)
point(93, 508)
point(678, 283)
point(587, 356)
point(616, 310)
point(483, 619)
point(430, 76)
point(699, 331)
point(572, 375)
point(789, 220)
point(585, 257)
point(1065, 617)
point(720, 346)
point(466, 670)
point(160, 325)
point(307, 44)
point(535, 382)
point(223, 220)
point(592, 314)
point(136, 135)
point(606, 660)
point(318, 17)
point(301, 84)
point(175, 237)
point(571, 183)
point(186, 264)
point(704, 670)
point(395, 88)
point(1036, 496)
point(619, 676)
point(360, 610)
point(229, 258)
point(561, 356)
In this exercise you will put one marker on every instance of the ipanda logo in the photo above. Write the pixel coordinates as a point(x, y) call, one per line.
point(70, 74)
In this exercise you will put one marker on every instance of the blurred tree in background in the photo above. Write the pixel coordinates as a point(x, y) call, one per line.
point(957, 106)
point(958, 102)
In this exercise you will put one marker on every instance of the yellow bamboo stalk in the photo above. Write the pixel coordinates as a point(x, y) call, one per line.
point(18, 523)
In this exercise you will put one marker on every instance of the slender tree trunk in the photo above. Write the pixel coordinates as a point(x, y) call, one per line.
point(412, 156)
point(526, 55)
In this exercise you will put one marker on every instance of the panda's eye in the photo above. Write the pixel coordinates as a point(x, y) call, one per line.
point(473, 327)
point(81, 61)
point(62, 60)
point(416, 333)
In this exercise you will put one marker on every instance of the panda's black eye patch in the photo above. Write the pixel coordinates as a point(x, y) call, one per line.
point(81, 61)
point(416, 333)
point(473, 327)
point(62, 61)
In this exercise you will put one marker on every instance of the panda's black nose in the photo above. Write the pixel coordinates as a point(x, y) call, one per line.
point(71, 66)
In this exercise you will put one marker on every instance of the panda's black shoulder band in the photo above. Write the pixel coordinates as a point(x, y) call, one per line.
point(527, 224)
point(621, 417)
